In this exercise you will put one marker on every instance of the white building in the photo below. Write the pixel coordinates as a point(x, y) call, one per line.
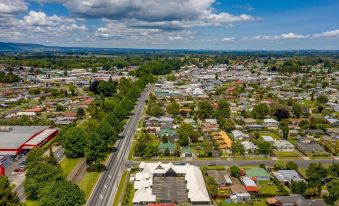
point(195, 185)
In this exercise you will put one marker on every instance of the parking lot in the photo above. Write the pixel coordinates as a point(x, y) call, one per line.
point(170, 189)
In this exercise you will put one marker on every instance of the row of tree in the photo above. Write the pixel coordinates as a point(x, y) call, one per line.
point(93, 137)
point(46, 183)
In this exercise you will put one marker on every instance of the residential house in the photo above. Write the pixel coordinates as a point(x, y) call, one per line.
point(249, 147)
point(271, 123)
point(250, 185)
point(286, 176)
point(283, 145)
point(167, 146)
point(258, 174)
point(308, 146)
point(224, 141)
point(239, 135)
point(239, 192)
point(221, 177)
point(332, 121)
point(294, 200)
point(209, 125)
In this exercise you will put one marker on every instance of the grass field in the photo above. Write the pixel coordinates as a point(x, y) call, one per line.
point(88, 182)
point(268, 133)
point(31, 203)
point(260, 202)
point(268, 187)
point(286, 154)
point(213, 167)
point(67, 165)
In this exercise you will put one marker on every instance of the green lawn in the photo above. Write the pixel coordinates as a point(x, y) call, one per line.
point(268, 187)
point(67, 165)
point(261, 202)
point(88, 182)
point(268, 133)
point(121, 188)
point(213, 167)
point(31, 203)
point(286, 154)
point(90, 179)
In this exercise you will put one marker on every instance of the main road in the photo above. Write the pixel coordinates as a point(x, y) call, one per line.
point(107, 185)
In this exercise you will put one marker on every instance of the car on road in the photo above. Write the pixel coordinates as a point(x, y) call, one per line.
point(212, 164)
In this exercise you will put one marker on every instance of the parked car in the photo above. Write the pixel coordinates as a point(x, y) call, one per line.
point(19, 170)
point(22, 164)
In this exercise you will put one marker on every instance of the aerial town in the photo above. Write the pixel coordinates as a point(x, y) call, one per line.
point(169, 103)
point(195, 130)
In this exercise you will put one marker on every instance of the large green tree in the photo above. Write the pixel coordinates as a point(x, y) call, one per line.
point(95, 150)
point(260, 111)
point(106, 88)
point(38, 175)
point(62, 193)
point(186, 132)
point(7, 197)
point(205, 109)
point(106, 132)
point(333, 190)
point(74, 142)
point(173, 108)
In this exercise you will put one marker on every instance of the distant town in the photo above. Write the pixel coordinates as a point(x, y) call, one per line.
point(204, 128)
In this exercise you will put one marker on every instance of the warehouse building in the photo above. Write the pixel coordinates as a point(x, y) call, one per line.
point(15, 140)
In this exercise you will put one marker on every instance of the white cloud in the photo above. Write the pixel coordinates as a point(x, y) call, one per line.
point(12, 6)
point(40, 22)
point(334, 33)
point(228, 39)
point(37, 25)
point(277, 37)
point(175, 38)
point(162, 14)
point(247, 7)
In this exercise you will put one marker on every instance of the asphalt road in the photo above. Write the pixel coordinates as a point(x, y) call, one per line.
point(300, 163)
point(107, 185)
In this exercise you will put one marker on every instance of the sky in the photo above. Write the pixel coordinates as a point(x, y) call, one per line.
point(173, 24)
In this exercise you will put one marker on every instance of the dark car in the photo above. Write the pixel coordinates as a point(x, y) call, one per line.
point(212, 164)
point(19, 170)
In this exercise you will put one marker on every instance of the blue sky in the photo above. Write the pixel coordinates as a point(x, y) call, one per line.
point(173, 24)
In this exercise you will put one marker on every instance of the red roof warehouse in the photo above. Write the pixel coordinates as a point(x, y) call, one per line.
point(16, 139)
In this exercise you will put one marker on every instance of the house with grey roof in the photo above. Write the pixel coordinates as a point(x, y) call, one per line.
point(286, 176)
point(249, 147)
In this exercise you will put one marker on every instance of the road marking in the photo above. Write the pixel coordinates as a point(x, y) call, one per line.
point(109, 176)
point(105, 186)
point(101, 196)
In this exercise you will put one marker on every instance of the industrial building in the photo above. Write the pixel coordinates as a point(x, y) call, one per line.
point(15, 140)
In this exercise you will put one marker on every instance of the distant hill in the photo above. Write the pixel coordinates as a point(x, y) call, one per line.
point(9, 47)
